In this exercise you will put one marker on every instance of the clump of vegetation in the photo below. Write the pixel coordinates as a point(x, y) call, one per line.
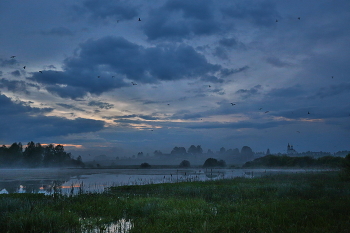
point(185, 163)
point(288, 161)
point(211, 162)
point(145, 165)
point(36, 155)
point(345, 173)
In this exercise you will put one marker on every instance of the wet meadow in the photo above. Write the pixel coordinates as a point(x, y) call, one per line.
point(289, 202)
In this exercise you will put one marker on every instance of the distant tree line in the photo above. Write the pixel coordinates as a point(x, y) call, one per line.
point(288, 161)
point(197, 150)
point(36, 155)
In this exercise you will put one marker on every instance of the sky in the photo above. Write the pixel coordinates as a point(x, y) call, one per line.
point(120, 77)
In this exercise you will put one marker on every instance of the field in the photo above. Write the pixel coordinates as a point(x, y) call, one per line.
point(303, 202)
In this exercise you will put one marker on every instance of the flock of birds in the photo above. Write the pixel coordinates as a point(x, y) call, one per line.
point(133, 83)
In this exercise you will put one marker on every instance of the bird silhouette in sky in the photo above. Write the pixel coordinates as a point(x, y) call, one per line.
point(24, 67)
point(267, 111)
point(276, 20)
point(233, 104)
point(260, 108)
point(40, 71)
point(209, 86)
point(299, 18)
point(139, 19)
point(13, 56)
point(134, 83)
point(332, 77)
point(308, 112)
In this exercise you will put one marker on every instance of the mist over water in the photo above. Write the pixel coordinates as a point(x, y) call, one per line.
point(74, 181)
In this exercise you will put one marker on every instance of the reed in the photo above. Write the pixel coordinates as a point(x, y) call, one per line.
point(309, 202)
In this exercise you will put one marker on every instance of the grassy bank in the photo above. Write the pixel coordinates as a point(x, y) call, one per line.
point(309, 202)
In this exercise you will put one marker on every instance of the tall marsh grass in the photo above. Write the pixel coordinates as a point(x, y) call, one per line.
point(309, 202)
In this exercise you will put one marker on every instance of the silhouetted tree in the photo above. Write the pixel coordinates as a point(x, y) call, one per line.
point(210, 162)
point(221, 163)
point(185, 163)
point(178, 151)
point(222, 150)
point(157, 153)
point(33, 154)
point(247, 153)
point(14, 154)
point(145, 165)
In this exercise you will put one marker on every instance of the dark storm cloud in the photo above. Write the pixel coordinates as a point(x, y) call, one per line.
point(107, 9)
point(118, 57)
point(7, 62)
point(8, 108)
point(212, 79)
point(69, 106)
point(229, 42)
point(287, 92)
point(16, 73)
point(185, 115)
point(20, 117)
point(333, 90)
point(14, 85)
point(144, 117)
point(239, 125)
point(100, 104)
point(262, 13)
point(226, 72)
point(276, 62)
point(180, 19)
point(246, 93)
point(57, 31)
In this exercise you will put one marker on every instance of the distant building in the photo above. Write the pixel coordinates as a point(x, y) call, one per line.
point(290, 150)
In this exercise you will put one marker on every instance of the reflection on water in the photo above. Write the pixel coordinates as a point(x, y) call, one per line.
point(101, 179)
point(121, 226)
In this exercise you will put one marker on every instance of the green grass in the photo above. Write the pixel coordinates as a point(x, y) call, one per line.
point(309, 202)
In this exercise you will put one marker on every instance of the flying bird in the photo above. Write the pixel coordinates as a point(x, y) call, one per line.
point(134, 83)
point(40, 71)
point(209, 86)
point(24, 67)
point(332, 77)
point(299, 18)
point(267, 111)
point(233, 104)
point(139, 19)
point(308, 112)
point(276, 20)
point(13, 56)
point(260, 108)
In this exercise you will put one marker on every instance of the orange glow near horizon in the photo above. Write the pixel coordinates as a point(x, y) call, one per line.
point(65, 145)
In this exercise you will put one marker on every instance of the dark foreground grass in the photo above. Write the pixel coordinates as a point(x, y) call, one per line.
point(309, 202)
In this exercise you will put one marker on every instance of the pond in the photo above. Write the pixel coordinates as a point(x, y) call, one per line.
point(73, 181)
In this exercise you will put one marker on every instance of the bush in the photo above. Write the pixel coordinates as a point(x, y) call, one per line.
point(211, 162)
point(145, 165)
point(185, 163)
